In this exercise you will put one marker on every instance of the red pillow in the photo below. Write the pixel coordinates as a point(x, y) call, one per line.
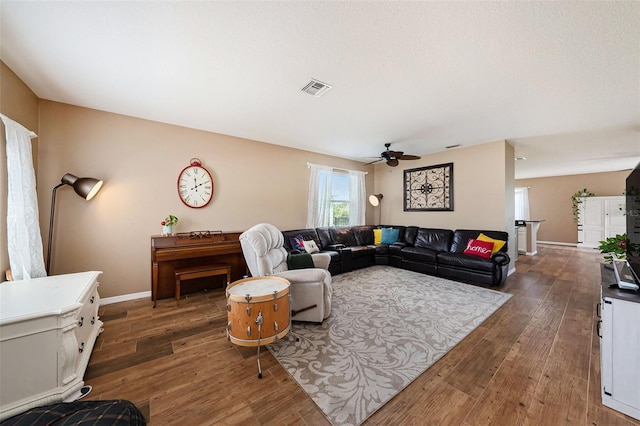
point(479, 248)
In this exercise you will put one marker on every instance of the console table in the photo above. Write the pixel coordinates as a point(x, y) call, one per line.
point(169, 253)
point(619, 332)
point(48, 327)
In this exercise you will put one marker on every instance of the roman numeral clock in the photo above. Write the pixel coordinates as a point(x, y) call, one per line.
point(195, 185)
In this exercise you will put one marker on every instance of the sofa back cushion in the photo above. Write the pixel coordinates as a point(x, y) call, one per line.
point(364, 235)
point(461, 238)
point(306, 234)
point(410, 234)
point(325, 238)
point(343, 235)
point(437, 239)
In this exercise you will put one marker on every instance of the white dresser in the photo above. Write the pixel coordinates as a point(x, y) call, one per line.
point(48, 327)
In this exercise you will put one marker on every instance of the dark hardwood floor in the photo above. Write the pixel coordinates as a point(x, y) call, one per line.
point(534, 362)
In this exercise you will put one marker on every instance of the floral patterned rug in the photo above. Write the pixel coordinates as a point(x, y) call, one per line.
point(387, 326)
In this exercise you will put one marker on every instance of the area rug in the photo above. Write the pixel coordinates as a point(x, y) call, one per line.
point(387, 326)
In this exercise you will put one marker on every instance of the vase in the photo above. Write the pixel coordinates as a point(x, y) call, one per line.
point(167, 230)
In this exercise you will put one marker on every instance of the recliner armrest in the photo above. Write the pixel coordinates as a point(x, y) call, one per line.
point(501, 258)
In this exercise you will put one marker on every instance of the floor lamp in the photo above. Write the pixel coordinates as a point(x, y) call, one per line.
point(375, 200)
point(85, 187)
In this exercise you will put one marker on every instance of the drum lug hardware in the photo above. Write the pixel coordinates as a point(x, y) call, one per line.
point(275, 326)
point(275, 307)
point(228, 328)
point(228, 307)
point(248, 299)
point(249, 331)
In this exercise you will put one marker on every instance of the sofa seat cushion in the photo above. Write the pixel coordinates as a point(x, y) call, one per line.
point(382, 249)
point(465, 261)
point(363, 251)
point(420, 254)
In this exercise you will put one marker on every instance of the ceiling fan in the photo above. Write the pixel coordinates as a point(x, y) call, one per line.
point(392, 157)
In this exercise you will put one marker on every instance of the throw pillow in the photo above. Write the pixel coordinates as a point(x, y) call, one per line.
point(497, 244)
point(377, 236)
point(297, 243)
point(311, 247)
point(389, 235)
point(479, 248)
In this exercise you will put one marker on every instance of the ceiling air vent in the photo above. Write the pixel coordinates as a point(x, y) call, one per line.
point(316, 88)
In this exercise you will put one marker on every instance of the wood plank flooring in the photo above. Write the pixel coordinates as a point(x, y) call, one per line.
point(534, 362)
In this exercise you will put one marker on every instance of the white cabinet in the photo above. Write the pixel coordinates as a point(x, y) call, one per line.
point(620, 349)
point(599, 219)
point(48, 327)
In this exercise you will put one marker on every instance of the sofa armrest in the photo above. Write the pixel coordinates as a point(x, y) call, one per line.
point(398, 244)
point(501, 258)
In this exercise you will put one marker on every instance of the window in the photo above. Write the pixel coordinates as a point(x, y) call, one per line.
point(336, 197)
point(522, 203)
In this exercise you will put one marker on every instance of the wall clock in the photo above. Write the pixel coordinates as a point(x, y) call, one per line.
point(429, 188)
point(195, 185)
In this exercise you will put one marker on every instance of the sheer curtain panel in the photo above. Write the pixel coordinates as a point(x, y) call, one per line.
point(319, 205)
point(522, 203)
point(357, 198)
point(24, 242)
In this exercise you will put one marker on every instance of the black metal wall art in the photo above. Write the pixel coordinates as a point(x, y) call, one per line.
point(429, 188)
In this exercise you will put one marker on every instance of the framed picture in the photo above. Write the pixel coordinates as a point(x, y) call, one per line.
point(429, 188)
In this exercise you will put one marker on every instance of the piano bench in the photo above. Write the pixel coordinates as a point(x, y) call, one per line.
point(202, 271)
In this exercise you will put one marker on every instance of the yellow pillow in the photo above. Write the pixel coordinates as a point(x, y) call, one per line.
point(497, 244)
point(377, 236)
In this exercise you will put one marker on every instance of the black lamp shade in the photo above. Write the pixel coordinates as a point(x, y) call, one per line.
point(85, 187)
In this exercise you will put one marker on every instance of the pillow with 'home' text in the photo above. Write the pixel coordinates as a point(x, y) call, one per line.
point(479, 248)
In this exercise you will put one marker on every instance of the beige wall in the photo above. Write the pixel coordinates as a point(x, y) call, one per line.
point(20, 104)
point(550, 199)
point(483, 182)
point(139, 161)
point(479, 189)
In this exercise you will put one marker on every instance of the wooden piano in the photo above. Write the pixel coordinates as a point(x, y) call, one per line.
point(193, 249)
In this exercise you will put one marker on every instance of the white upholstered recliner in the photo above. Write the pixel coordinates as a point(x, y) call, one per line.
point(262, 246)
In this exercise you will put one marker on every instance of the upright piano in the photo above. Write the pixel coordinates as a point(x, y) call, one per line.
point(193, 249)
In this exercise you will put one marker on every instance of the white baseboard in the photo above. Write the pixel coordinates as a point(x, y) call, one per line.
point(511, 271)
point(555, 243)
point(125, 297)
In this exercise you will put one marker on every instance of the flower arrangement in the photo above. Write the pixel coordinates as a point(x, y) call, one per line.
point(170, 220)
point(614, 245)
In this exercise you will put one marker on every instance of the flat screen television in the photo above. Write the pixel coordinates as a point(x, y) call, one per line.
point(632, 191)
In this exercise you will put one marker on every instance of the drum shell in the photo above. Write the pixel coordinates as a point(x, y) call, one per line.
point(242, 328)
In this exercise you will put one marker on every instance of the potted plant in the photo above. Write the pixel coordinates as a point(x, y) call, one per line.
point(614, 246)
point(168, 223)
point(576, 199)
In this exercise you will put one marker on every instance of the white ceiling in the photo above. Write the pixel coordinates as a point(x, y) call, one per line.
point(559, 80)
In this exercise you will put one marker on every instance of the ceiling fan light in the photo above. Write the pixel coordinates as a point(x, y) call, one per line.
point(393, 162)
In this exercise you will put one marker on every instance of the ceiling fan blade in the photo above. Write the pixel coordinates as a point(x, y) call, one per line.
point(393, 162)
point(409, 157)
point(396, 154)
point(374, 161)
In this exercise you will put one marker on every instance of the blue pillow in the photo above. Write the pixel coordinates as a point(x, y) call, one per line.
point(389, 235)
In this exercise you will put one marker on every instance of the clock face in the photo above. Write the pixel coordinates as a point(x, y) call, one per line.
point(195, 186)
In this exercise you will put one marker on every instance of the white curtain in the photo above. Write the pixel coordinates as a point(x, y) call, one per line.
point(357, 198)
point(522, 203)
point(319, 205)
point(24, 242)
